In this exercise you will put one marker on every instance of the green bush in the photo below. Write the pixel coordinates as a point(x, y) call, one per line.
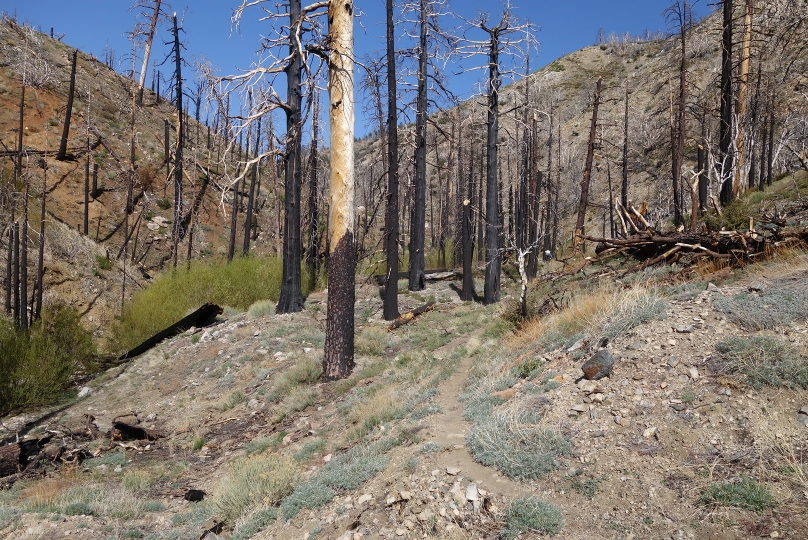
point(239, 285)
point(103, 262)
point(764, 360)
point(531, 514)
point(746, 494)
point(36, 367)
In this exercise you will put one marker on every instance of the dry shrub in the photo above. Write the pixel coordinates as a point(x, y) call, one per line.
point(603, 314)
point(254, 482)
point(44, 494)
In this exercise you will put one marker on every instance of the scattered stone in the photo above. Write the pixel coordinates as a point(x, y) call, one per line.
point(651, 432)
point(684, 329)
point(711, 287)
point(587, 387)
point(693, 373)
point(363, 499)
point(577, 345)
point(327, 458)
point(85, 391)
point(678, 407)
point(405, 495)
point(598, 398)
point(757, 287)
point(578, 409)
point(599, 365)
point(452, 471)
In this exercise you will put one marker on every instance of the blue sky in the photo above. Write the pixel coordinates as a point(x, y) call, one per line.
point(565, 26)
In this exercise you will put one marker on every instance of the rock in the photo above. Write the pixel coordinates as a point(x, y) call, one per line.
point(580, 408)
point(804, 410)
point(426, 515)
point(405, 495)
point(678, 407)
point(504, 394)
point(152, 226)
point(651, 432)
point(803, 419)
point(684, 329)
point(598, 366)
point(471, 493)
point(327, 458)
point(85, 391)
point(363, 499)
point(452, 471)
point(598, 398)
point(757, 286)
point(693, 373)
point(712, 287)
point(587, 387)
point(577, 345)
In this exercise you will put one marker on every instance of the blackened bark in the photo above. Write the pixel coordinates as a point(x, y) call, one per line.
point(291, 297)
point(87, 191)
point(231, 245)
point(624, 184)
point(678, 141)
point(23, 307)
point(62, 154)
point(726, 112)
point(467, 293)
point(417, 281)
point(177, 232)
point(20, 128)
point(590, 154)
point(770, 150)
point(15, 274)
point(248, 222)
point(339, 344)
point(95, 193)
point(493, 256)
point(9, 269)
point(313, 250)
point(391, 211)
point(40, 266)
point(551, 193)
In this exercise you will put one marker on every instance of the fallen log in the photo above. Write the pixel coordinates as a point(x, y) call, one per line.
point(199, 318)
point(405, 318)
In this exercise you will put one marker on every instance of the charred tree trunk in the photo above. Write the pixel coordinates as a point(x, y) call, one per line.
point(624, 184)
point(20, 129)
point(493, 255)
point(87, 191)
point(417, 281)
point(23, 307)
point(62, 154)
point(725, 129)
point(9, 270)
point(590, 154)
point(467, 293)
point(248, 222)
point(338, 357)
point(291, 297)
point(391, 211)
point(313, 250)
point(176, 232)
point(40, 266)
point(15, 274)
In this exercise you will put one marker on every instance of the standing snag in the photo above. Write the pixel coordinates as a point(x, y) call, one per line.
point(338, 359)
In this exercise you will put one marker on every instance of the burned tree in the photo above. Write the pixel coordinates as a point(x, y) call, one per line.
point(338, 359)
point(62, 154)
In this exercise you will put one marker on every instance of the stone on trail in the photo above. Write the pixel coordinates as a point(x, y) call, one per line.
point(599, 365)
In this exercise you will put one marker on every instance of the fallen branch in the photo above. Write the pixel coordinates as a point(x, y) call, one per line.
point(410, 315)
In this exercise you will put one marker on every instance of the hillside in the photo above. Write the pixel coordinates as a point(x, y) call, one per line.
point(396, 450)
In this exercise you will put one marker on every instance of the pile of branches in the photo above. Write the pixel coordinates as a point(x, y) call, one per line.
point(642, 242)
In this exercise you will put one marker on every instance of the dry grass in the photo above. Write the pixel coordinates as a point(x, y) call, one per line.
point(603, 313)
point(44, 494)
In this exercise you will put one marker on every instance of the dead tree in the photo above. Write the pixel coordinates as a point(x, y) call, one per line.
point(391, 211)
point(590, 153)
point(149, 33)
point(62, 154)
point(338, 358)
point(725, 151)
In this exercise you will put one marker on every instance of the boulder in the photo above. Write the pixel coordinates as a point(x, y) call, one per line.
point(598, 366)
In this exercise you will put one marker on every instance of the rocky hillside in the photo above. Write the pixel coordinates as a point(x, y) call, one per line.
point(451, 426)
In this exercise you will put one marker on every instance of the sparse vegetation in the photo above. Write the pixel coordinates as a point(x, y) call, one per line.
point(514, 442)
point(254, 482)
point(764, 360)
point(531, 514)
point(745, 493)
